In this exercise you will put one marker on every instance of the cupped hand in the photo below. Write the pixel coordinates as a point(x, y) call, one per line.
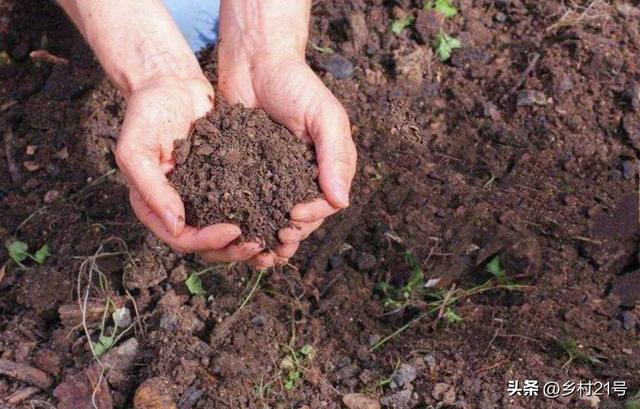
point(158, 113)
point(289, 91)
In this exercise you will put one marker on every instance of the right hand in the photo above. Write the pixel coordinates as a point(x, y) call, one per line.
point(159, 112)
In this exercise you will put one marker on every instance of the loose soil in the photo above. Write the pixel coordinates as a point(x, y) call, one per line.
point(240, 167)
point(524, 146)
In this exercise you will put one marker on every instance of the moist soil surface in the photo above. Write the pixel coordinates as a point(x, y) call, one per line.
point(526, 166)
point(240, 167)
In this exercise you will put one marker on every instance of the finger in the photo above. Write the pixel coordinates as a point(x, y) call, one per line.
point(191, 239)
point(299, 232)
point(286, 251)
point(261, 261)
point(233, 253)
point(144, 172)
point(312, 211)
point(331, 133)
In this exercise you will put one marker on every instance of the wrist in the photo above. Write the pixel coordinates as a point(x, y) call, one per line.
point(252, 31)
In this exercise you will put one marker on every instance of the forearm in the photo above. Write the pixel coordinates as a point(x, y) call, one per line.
point(135, 41)
point(253, 28)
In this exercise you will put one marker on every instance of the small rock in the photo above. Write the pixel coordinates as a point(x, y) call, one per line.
point(628, 320)
point(339, 66)
point(31, 149)
point(169, 321)
point(444, 392)
point(403, 376)
point(189, 398)
point(374, 339)
point(336, 261)
point(501, 17)
point(31, 165)
point(398, 400)
point(628, 169)
point(631, 125)
point(122, 317)
point(360, 401)
point(430, 360)
point(627, 287)
point(365, 261)
point(627, 351)
point(51, 196)
point(524, 257)
point(359, 30)
point(62, 154)
point(529, 97)
point(179, 274)
point(49, 361)
point(259, 320)
point(154, 393)
point(84, 391)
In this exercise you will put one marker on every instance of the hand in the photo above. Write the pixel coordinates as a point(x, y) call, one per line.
point(159, 112)
point(287, 89)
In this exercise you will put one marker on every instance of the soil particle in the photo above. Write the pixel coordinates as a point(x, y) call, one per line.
point(360, 401)
point(154, 393)
point(339, 66)
point(240, 167)
point(443, 392)
point(529, 97)
point(83, 391)
point(627, 287)
point(428, 24)
point(152, 265)
point(631, 125)
point(365, 261)
point(359, 30)
point(403, 376)
point(398, 400)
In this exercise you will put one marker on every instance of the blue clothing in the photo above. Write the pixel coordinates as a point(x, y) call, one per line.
point(197, 20)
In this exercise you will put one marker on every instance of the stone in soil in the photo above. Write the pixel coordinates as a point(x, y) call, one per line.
point(240, 167)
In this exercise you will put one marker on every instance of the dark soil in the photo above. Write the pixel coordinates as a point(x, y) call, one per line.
point(240, 167)
point(527, 151)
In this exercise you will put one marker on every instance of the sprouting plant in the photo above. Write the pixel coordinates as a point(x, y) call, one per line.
point(394, 297)
point(295, 363)
point(121, 325)
point(451, 316)
point(495, 268)
point(445, 44)
point(194, 285)
point(400, 24)
point(19, 251)
point(574, 352)
point(442, 6)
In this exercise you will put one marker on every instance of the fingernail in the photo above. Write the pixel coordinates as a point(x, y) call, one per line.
point(299, 214)
point(341, 193)
point(171, 222)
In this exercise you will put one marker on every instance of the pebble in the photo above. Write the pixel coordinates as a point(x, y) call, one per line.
point(628, 320)
point(529, 97)
point(398, 400)
point(501, 17)
point(169, 321)
point(430, 360)
point(336, 261)
point(339, 66)
point(628, 169)
point(374, 339)
point(360, 401)
point(51, 196)
point(403, 376)
point(259, 320)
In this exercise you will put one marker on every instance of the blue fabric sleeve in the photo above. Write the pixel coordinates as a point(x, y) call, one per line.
point(197, 20)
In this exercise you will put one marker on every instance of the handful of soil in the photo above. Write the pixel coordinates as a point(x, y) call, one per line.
point(240, 167)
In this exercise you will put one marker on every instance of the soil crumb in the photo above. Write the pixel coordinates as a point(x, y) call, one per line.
point(240, 167)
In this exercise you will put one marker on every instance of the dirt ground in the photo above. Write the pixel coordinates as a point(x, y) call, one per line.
point(521, 150)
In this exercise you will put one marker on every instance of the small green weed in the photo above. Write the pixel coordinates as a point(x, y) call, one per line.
point(397, 26)
point(19, 251)
point(444, 45)
point(295, 363)
point(395, 298)
point(442, 6)
point(194, 285)
point(574, 352)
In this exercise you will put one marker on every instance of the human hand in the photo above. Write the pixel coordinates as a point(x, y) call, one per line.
point(158, 113)
point(267, 69)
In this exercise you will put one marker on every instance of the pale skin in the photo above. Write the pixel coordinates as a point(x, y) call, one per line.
point(261, 64)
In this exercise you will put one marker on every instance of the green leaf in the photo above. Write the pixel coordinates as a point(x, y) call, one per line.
point(103, 345)
point(398, 25)
point(294, 376)
point(443, 7)
point(18, 250)
point(42, 254)
point(417, 276)
point(495, 267)
point(289, 385)
point(445, 45)
point(451, 316)
point(194, 285)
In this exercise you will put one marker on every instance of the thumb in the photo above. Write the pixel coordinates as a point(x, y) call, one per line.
point(144, 172)
point(331, 133)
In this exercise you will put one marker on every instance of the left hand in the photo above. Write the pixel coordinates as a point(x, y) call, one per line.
point(284, 86)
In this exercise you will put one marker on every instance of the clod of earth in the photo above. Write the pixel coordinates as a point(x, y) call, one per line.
point(240, 167)
point(154, 393)
point(360, 401)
